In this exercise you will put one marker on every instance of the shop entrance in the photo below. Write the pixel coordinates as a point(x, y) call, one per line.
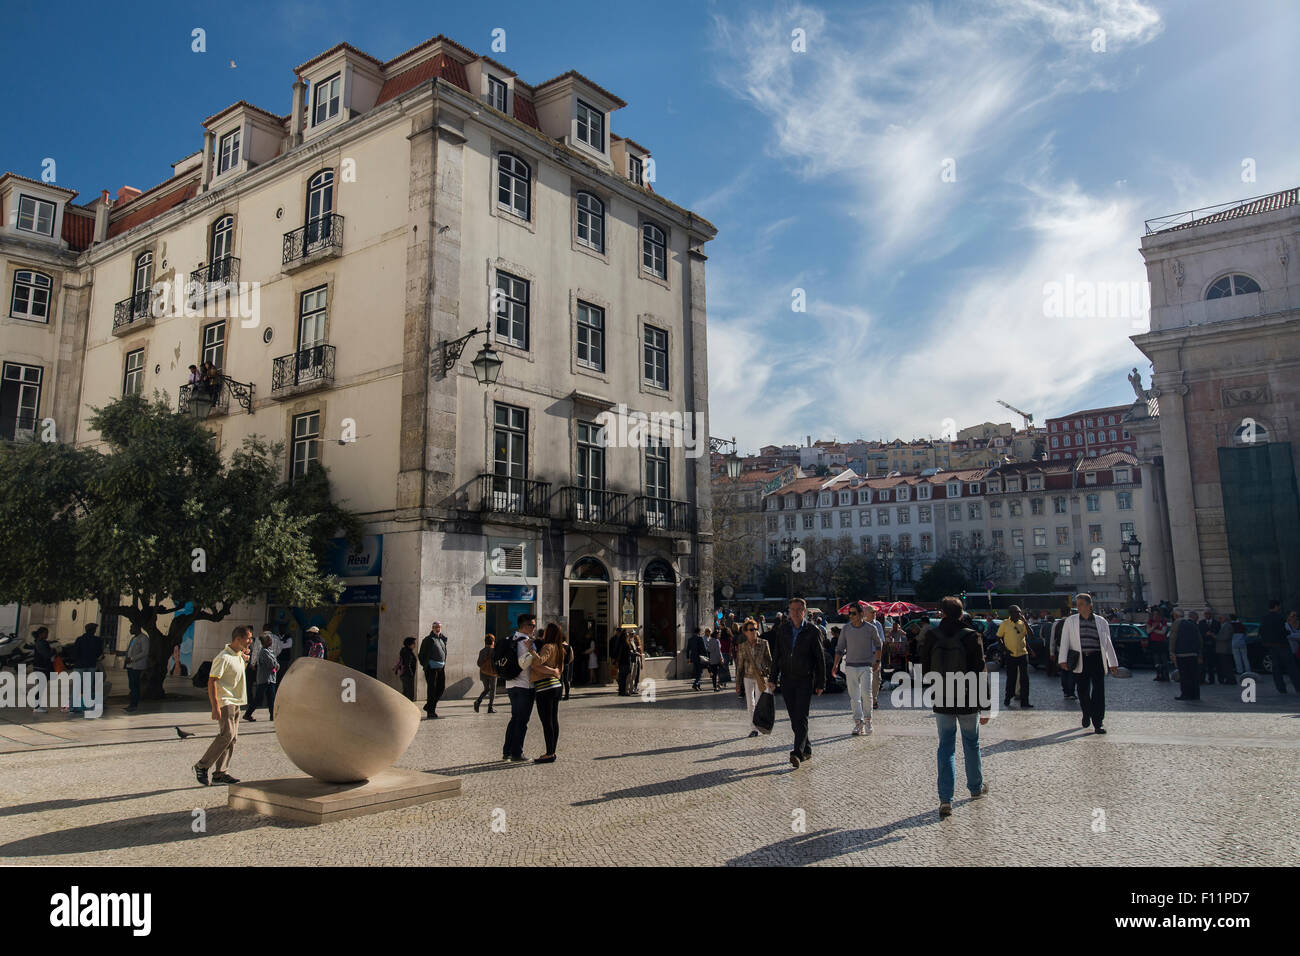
point(589, 619)
point(659, 599)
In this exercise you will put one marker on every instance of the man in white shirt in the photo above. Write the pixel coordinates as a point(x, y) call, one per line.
point(520, 690)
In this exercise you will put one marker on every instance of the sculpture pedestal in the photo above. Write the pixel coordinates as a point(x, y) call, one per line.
point(308, 800)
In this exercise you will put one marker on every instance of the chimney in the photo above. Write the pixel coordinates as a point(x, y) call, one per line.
point(101, 215)
point(125, 195)
point(206, 175)
point(295, 115)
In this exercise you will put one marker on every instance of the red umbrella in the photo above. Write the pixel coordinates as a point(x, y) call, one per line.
point(901, 607)
point(851, 605)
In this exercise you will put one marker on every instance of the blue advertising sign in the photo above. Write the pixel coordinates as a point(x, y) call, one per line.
point(512, 592)
point(364, 562)
point(360, 594)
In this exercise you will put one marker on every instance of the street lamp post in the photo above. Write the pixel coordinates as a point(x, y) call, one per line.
point(1135, 550)
point(1126, 562)
point(731, 458)
point(487, 364)
point(886, 559)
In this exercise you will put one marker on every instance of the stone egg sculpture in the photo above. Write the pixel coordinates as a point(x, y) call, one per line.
point(337, 731)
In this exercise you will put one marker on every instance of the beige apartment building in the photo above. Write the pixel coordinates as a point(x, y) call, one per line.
point(331, 260)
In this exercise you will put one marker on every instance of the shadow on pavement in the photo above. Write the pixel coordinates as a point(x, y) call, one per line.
point(821, 845)
point(151, 830)
point(696, 781)
point(71, 804)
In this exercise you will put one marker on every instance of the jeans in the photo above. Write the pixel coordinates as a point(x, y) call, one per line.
point(435, 679)
point(798, 699)
point(489, 690)
point(857, 681)
point(1241, 658)
point(1284, 662)
point(1091, 688)
point(1189, 677)
point(521, 711)
point(970, 743)
point(1017, 667)
point(548, 711)
point(133, 684)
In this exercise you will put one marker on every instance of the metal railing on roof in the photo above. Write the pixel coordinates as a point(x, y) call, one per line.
point(1162, 223)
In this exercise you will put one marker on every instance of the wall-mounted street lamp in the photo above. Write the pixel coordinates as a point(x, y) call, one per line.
point(487, 364)
point(732, 459)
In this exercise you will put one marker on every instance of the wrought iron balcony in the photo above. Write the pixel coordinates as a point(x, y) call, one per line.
point(514, 496)
point(215, 275)
point(135, 308)
point(303, 370)
point(593, 505)
point(663, 515)
point(205, 401)
point(319, 239)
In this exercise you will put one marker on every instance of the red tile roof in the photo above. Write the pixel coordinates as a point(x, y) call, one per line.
point(439, 66)
point(142, 210)
point(578, 76)
point(36, 182)
point(78, 230)
point(469, 54)
point(525, 113)
point(334, 49)
point(1106, 462)
point(1279, 200)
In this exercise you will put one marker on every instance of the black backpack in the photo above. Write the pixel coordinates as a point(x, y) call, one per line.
point(947, 653)
point(505, 658)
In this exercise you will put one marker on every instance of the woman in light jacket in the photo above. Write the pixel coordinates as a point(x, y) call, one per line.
point(1087, 635)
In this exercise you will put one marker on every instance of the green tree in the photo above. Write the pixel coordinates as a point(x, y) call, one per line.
point(160, 521)
point(855, 579)
point(1038, 582)
point(941, 579)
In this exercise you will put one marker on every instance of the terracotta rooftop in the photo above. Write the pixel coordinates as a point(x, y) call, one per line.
point(1235, 210)
point(578, 76)
point(78, 230)
point(1105, 462)
point(37, 182)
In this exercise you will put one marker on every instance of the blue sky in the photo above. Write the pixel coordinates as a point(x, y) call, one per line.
point(823, 169)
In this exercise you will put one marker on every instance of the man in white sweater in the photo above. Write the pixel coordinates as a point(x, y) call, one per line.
point(1087, 651)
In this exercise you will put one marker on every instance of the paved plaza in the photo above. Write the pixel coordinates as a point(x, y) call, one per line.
point(675, 782)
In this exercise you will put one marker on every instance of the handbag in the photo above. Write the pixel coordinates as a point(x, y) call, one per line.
point(1071, 660)
point(765, 712)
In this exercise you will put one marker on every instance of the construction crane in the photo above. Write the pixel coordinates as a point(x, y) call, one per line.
point(1029, 419)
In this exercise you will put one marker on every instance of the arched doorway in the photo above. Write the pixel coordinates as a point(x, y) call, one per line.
point(659, 607)
point(589, 624)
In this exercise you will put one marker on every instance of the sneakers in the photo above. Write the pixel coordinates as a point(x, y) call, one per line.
point(866, 730)
point(857, 728)
point(983, 792)
point(945, 809)
point(201, 775)
point(224, 777)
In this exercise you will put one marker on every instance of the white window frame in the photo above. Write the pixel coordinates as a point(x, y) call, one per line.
point(306, 443)
point(32, 214)
point(332, 87)
point(594, 121)
point(228, 150)
point(495, 86)
point(34, 285)
point(514, 177)
point(654, 251)
point(653, 372)
point(590, 336)
point(591, 220)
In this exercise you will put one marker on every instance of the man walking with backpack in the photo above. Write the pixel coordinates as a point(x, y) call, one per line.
point(954, 654)
point(799, 666)
point(512, 659)
point(433, 658)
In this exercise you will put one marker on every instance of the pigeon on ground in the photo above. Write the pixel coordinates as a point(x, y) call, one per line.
point(182, 734)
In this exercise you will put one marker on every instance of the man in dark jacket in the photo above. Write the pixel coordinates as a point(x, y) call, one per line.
point(696, 653)
point(1067, 675)
point(433, 661)
point(799, 666)
point(1186, 651)
point(955, 638)
point(1272, 635)
point(86, 652)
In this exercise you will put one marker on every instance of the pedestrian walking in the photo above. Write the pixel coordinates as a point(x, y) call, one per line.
point(621, 658)
point(593, 662)
point(1014, 635)
point(799, 667)
point(42, 663)
point(1087, 651)
point(567, 670)
point(265, 683)
point(1067, 676)
point(1293, 632)
point(952, 648)
point(137, 660)
point(547, 687)
point(487, 674)
point(86, 652)
point(1185, 651)
point(859, 648)
point(315, 646)
point(433, 658)
point(1240, 655)
point(1272, 634)
point(283, 648)
point(697, 653)
point(1158, 641)
point(753, 665)
point(227, 693)
point(713, 648)
point(519, 685)
point(406, 667)
point(1209, 657)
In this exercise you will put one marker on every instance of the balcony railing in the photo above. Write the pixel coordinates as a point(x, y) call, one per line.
point(215, 275)
point(514, 496)
point(310, 367)
point(131, 310)
point(202, 401)
point(323, 235)
point(593, 505)
point(663, 514)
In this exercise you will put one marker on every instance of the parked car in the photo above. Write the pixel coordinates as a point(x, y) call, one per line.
point(1130, 641)
point(1260, 661)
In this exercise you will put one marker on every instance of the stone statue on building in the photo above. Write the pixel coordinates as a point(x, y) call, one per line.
point(1135, 380)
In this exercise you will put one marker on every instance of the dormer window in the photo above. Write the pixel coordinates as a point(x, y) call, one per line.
point(1090, 478)
point(636, 170)
point(1035, 482)
point(496, 93)
point(923, 492)
point(1234, 284)
point(903, 493)
point(954, 489)
point(228, 153)
point(591, 126)
point(326, 99)
point(35, 215)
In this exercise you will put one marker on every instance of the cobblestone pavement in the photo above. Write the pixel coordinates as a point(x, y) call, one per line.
point(675, 782)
